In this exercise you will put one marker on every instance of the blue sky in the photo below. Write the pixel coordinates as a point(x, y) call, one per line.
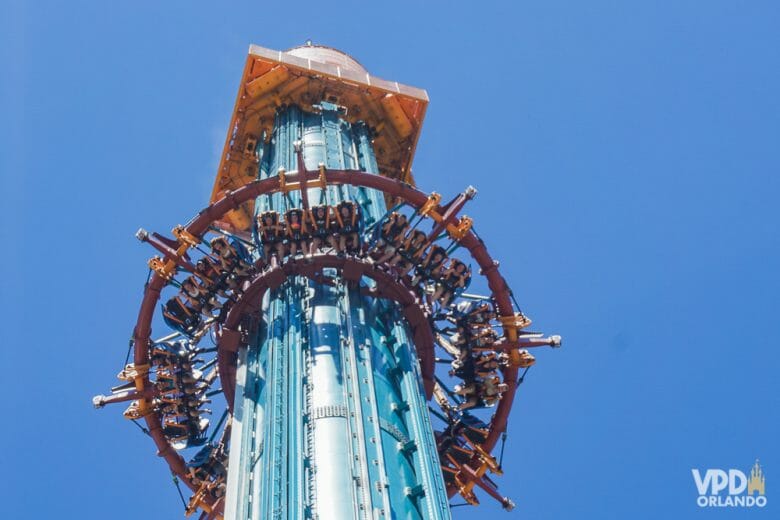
point(627, 160)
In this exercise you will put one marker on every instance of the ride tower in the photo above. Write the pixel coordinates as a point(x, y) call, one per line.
point(310, 305)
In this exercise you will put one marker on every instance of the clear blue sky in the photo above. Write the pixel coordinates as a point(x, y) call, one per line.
point(627, 161)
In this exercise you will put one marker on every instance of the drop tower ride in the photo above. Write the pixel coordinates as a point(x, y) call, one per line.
point(317, 294)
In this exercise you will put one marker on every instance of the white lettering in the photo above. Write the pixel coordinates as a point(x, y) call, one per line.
point(702, 485)
point(734, 475)
point(720, 480)
point(714, 481)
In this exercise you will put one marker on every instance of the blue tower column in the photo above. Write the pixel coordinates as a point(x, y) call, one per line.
point(330, 417)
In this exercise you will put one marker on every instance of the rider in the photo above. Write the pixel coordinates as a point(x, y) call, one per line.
point(455, 278)
point(320, 219)
point(431, 265)
point(391, 238)
point(199, 297)
point(271, 234)
point(296, 229)
point(229, 257)
point(349, 239)
point(210, 272)
point(486, 364)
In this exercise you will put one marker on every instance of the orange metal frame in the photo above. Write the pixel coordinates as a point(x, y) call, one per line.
point(274, 78)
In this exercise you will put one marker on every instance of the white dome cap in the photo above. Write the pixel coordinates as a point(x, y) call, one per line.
point(329, 55)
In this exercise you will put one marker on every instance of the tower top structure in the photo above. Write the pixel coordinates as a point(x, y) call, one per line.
point(306, 76)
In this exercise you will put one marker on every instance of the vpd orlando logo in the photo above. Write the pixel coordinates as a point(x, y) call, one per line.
point(740, 490)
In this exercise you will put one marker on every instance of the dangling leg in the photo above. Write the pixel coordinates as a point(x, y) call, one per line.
point(446, 298)
point(280, 251)
point(334, 243)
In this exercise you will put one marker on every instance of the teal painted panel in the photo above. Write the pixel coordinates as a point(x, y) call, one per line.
point(330, 417)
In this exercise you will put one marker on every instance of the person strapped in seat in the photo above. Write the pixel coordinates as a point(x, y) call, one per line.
point(473, 314)
point(482, 392)
point(214, 279)
point(432, 265)
point(192, 400)
point(296, 231)
point(176, 432)
point(230, 257)
point(483, 339)
point(485, 365)
point(199, 297)
point(320, 218)
point(390, 237)
point(182, 377)
point(187, 433)
point(169, 352)
point(207, 465)
point(174, 410)
point(454, 280)
point(335, 228)
point(458, 344)
point(408, 255)
point(491, 390)
point(198, 468)
point(469, 390)
point(166, 384)
point(193, 291)
point(349, 220)
point(271, 233)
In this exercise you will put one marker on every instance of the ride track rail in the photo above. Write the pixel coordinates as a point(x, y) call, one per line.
point(229, 337)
